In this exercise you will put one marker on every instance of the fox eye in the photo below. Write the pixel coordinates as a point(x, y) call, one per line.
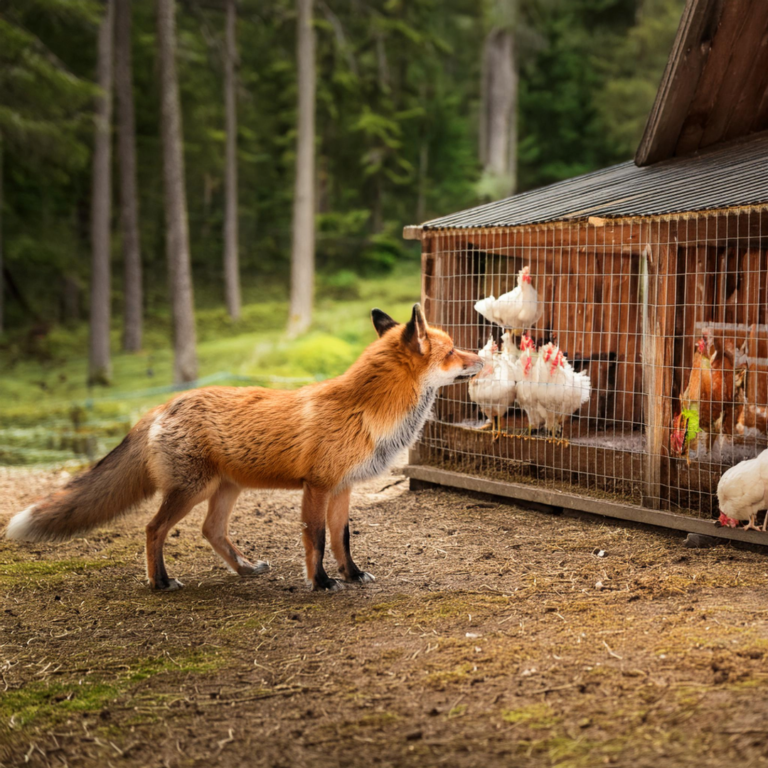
point(450, 353)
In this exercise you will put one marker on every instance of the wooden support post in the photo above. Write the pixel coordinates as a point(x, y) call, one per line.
point(659, 282)
point(427, 277)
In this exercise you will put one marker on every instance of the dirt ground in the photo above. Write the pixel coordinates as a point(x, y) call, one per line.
point(492, 636)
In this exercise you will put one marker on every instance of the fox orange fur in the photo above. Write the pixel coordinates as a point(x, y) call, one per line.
point(211, 443)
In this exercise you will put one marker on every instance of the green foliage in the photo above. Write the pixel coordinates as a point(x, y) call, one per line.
point(397, 124)
point(585, 96)
point(632, 74)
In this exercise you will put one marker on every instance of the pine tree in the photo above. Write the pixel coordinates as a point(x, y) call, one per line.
point(100, 364)
point(129, 204)
point(2, 277)
point(231, 260)
point(176, 223)
point(303, 251)
point(498, 110)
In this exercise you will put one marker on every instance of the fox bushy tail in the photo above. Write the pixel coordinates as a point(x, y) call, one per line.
point(108, 490)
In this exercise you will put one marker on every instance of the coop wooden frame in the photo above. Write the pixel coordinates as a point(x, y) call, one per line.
point(669, 275)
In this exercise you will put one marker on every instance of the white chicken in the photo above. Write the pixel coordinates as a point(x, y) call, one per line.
point(560, 390)
point(525, 372)
point(493, 389)
point(509, 349)
point(519, 309)
point(743, 492)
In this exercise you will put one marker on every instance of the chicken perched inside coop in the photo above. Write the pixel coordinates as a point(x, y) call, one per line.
point(627, 361)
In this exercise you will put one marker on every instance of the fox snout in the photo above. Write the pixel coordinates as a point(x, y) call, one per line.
point(471, 363)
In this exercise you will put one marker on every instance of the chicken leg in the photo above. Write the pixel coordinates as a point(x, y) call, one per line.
point(750, 526)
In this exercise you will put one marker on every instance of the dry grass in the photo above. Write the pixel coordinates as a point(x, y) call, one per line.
point(493, 636)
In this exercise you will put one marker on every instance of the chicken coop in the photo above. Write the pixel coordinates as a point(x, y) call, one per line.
point(652, 280)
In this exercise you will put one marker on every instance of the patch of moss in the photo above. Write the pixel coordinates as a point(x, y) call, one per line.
point(51, 701)
point(21, 570)
point(534, 716)
point(444, 678)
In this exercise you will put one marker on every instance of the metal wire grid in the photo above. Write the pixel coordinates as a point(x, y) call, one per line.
point(630, 302)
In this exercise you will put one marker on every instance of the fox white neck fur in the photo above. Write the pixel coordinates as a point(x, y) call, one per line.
point(403, 436)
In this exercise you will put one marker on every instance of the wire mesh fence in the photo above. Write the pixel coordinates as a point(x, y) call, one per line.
point(625, 359)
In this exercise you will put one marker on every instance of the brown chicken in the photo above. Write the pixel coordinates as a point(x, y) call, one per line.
point(710, 400)
point(752, 420)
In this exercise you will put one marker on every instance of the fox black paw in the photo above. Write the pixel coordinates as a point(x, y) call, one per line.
point(327, 584)
point(169, 585)
point(360, 577)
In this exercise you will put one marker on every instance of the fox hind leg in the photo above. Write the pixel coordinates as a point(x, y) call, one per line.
point(338, 525)
point(216, 531)
point(175, 507)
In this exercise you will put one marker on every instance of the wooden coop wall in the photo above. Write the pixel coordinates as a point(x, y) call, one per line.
point(627, 303)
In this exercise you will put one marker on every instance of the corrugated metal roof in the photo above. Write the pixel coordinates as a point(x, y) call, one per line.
point(732, 175)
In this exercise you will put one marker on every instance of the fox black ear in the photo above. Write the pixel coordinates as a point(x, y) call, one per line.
point(382, 322)
point(415, 332)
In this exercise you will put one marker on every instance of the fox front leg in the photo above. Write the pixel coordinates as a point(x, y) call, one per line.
point(314, 506)
point(338, 525)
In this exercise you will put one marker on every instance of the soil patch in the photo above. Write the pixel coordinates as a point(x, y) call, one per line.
point(492, 636)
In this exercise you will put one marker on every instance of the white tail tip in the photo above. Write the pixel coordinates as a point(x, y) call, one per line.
point(20, 526)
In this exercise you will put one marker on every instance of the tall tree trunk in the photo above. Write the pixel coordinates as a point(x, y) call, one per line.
point(499, 91)
point(176, 224)
point(100, 368)
point(421, 201)
point(2, 305)
point(303, 252)
point(512, 145)
point(231, 265)
point(129, 206)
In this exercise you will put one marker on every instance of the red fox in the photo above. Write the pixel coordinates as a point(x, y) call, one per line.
point(211, 443)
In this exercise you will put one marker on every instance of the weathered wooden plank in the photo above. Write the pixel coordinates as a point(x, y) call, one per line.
point(760, 120)
point(752, 266)
point(753, 278)
point(576, 463)
point(659, 302)
point(755, 79)
point(624, 237)
point(412, 233)
point(739, 69)
point(713, 81)
point(593, 506)
point(626, 342)
point(689, 55)
point(428, 278)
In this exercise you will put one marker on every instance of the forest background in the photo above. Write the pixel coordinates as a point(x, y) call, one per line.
point(421, 108)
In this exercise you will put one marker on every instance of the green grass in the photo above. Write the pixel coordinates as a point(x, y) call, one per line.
point(18, 571)
point(49, 415)
point(53, 701)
